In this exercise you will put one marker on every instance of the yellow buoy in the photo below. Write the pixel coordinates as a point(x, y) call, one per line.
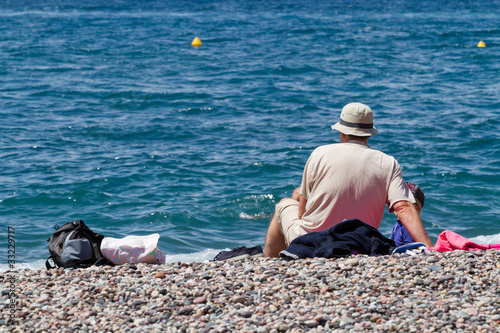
point(481, 44)
point(196, 42)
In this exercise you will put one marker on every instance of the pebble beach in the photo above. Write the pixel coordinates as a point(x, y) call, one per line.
point(455, 291)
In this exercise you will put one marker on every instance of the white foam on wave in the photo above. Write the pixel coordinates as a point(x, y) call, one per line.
point(489, 239)
point(38, 264)
point(258, 197)
point(205, 255)
point(254, 216)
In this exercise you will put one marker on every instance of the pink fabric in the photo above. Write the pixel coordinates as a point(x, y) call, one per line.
point(449, 241)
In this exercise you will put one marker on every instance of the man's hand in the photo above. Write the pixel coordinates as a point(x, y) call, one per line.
point(302, 206)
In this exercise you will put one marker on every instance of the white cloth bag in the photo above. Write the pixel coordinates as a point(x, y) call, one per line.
point(133, 250)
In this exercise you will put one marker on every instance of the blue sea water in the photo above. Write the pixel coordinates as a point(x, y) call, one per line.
point(109, 115)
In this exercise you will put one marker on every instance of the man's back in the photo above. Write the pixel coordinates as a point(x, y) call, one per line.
point(349, 180)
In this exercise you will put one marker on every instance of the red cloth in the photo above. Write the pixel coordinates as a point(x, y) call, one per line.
point(449, 241)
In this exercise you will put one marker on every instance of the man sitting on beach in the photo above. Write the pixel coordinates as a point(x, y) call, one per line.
point(346, 180)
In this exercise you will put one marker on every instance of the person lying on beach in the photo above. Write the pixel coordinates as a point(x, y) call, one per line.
point(399, 234)
point(346, 180)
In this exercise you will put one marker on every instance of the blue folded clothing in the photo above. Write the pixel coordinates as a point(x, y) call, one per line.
point(400, 235)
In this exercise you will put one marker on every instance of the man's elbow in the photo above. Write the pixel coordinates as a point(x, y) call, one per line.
point(404, 207)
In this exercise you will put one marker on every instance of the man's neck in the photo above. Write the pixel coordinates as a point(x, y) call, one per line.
point(346, 138)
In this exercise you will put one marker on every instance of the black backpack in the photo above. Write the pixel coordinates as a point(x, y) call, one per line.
point(74, 245)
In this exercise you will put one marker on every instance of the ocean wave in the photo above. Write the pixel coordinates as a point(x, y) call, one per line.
point(91, 92)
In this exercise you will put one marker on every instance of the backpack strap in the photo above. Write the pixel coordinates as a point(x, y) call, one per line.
point(97, 251)
point(47, 263)
point(101, 260)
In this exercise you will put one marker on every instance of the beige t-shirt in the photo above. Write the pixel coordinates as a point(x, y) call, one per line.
point(350, 181)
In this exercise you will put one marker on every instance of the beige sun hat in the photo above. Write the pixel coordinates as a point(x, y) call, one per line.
point(356, 119)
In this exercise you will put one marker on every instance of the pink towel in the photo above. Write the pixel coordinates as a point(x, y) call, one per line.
point(449, 241)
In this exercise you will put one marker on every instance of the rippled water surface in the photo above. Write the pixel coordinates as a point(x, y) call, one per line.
point(111, 116)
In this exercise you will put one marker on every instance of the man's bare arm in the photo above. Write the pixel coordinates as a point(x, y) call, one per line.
point(408, 215)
